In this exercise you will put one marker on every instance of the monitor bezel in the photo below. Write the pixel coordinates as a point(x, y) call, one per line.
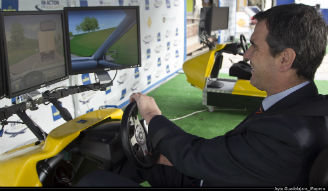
point(3, 88)
point(10, 93)
point(95, 70)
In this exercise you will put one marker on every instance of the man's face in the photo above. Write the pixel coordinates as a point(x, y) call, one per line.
point(263, 63)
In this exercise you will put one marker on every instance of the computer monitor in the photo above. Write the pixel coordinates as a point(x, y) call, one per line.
point(34, 49)
point(102, 38)
point(213, 19)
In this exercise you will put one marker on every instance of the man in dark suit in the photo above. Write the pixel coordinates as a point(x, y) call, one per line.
point(274, 147)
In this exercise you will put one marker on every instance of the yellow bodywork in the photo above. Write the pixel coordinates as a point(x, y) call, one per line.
point(18, 167)
point(199, 68)
point(244, 87)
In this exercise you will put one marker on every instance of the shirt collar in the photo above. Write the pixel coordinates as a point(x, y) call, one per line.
point(271, 100)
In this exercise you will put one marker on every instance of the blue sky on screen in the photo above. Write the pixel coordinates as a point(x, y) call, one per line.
point(106, 18)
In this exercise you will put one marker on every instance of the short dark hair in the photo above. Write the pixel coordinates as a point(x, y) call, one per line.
point(301, 28)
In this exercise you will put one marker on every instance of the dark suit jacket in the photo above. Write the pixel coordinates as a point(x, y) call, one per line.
point(274, 148)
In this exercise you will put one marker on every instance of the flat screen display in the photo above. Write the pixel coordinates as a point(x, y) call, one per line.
point(213, 19)
point(34, 44)
point(220, 18)
point(102, 38)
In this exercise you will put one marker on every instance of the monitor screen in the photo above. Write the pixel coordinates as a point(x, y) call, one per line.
point(220, 18)
point(34, 44)
point(102, 38)
point(213, 19)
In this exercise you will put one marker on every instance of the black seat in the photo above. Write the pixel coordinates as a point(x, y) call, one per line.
point(241, 70)
point(319, 172)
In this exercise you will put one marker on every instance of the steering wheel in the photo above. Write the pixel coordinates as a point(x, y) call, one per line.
point(243, 43)
point(134, 138)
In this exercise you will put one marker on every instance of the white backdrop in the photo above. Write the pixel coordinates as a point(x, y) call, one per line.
point(162, 54)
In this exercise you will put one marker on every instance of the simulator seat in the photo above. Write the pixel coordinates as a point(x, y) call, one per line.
point(241, 70)
point(207, 65)
point(319, 172)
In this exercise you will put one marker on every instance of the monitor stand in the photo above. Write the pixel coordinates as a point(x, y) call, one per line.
point(104, 77)
point(34, 93)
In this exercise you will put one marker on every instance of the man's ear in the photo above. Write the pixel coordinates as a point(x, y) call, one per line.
point(287, 58)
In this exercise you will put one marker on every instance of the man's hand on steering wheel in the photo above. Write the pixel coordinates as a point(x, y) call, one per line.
point(146, 105)
point(134, 130)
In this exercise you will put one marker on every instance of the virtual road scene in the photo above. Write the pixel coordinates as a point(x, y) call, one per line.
point(35, 49)
point(99, 39)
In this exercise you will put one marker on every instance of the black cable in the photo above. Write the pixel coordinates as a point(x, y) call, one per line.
point(114, 77)
point(19, 122)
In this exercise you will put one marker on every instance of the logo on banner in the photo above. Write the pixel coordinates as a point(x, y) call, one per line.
point(177, 32)
point(158, 73)
point(159, 63)
point(167, 56)
point(147, 39)
point(175, 43)
point(157, 3)
point(86, 97)
point(168, 4)
point(147, 66)
point(168, 44)
point(135, 86)
point(136, 73)
point(14, 134)
point(147, 4)
point(149, 22)
point(55, 113)
point(122, 78)
point(9, 5)
point(148, 79)
point(168, 18)
point(176, 3)
point(17, 100)
point(148, 53)
point(167, 68)
point(123, 94)
point(86, 79)
point(167, 34)
point(134, 2)
point(158, 48)
point(108, 90)
point(49, 2)
point(158, 37)
point(177, 53)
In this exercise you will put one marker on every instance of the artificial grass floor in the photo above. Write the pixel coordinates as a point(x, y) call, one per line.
point(177, 98)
